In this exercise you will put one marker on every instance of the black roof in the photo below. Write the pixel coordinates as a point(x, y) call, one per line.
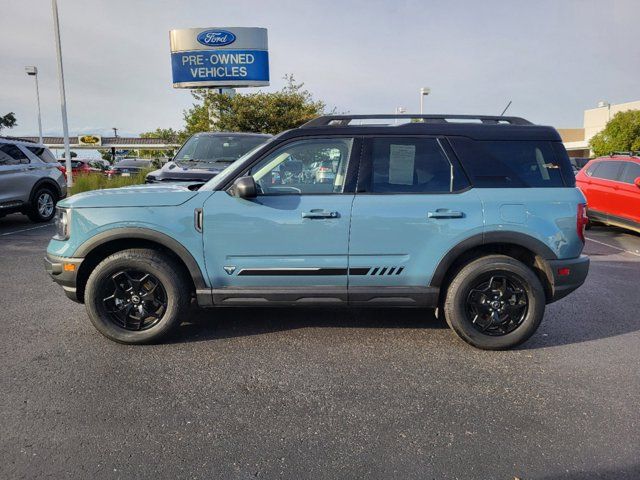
point(479, 127)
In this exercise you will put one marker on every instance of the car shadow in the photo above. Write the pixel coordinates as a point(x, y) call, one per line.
point(600, 309)
point(620, 473)
point(224, 322)
point(605, 306)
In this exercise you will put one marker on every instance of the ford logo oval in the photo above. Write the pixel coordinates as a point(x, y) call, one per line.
point(216, 38)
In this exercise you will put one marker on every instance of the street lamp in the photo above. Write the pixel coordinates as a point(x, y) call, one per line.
point(424, 91)
point(33, 72)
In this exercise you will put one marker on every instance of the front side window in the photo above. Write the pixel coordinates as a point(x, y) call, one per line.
point(312, 166)
point(11, 155)
point(410, 165)
point(630, 173)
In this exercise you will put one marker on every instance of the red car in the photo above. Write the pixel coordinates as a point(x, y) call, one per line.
point(79, 167)
point(612, 187)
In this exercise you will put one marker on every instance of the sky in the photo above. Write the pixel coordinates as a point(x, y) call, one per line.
point(552, 58)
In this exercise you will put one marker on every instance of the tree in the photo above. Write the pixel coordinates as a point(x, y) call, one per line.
point(621, 134)
point(256, 112)
point(8, 121)
point(169, 135)
point(72, 155)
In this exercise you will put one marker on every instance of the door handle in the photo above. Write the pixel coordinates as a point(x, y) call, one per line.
point(318, 213)
point(445, 213)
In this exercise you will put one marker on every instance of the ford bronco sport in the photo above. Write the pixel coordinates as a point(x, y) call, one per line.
point(476, 216)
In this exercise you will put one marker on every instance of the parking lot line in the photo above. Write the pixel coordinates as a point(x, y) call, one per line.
point(613, 246)
point(26, 229)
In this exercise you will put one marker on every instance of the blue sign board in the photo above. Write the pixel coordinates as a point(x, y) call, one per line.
point(234, 67)
point(219, 57)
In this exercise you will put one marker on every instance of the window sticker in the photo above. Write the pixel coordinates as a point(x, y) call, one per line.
point(401, 164)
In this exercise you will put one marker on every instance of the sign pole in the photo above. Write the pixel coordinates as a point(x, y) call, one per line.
point(63, 97)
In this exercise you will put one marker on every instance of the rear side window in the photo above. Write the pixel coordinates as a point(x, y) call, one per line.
point(630, 173)
point(43, 154)
point(412, 165)
point(607, 170)
point(11, 155)
point(511, 164)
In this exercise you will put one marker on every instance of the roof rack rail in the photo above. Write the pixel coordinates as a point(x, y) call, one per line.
point(629, 153)
point(345, 120)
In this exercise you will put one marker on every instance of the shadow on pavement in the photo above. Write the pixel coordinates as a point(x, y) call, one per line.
point(621, 473)
point(236, 322)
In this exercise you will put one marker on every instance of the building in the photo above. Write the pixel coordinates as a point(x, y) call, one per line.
point(576, 140)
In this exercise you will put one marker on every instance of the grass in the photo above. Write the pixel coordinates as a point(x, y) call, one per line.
point(99, 181)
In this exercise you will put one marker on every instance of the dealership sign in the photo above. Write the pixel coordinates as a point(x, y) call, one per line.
point(90, 140)
point(219, 57)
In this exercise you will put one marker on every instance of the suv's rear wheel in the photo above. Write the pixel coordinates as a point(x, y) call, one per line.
point(43, 205)
point(137, 296)
point(495, 303)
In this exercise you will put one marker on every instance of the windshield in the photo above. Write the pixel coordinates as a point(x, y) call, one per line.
point(222, 149)
point(222, 176)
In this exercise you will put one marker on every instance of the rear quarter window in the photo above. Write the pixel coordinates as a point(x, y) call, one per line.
point(514, 163)
point(607, 170)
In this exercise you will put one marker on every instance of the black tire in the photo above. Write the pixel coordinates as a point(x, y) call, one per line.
point(157, 266)
point(465, 288)
point(43, 205)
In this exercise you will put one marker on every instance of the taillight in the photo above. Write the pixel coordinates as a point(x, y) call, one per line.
point(324, 169)
point(62, 169)
point(581, 220)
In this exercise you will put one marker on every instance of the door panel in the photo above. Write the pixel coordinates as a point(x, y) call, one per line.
point(417, 206)
point(268, 242)
point(14, 175)
point(295, 233)
point(394, 241)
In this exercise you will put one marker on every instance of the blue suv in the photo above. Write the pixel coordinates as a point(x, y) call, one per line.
point(476, 216)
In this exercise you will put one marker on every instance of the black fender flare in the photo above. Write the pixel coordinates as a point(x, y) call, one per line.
point(143, 233)
point(45, 182)
point(510, 238)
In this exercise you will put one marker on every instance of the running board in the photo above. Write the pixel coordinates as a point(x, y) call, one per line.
point(319, 296)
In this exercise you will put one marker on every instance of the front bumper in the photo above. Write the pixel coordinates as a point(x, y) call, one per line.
point(63, 271)
point(567, 275)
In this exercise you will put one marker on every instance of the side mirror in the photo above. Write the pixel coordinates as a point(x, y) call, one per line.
point(637, 182)
point(245, 187)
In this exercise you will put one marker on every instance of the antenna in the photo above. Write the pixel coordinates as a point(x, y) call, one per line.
point(506, 108)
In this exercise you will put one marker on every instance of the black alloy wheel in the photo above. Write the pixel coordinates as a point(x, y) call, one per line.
point(497, 304)
point(134, 299)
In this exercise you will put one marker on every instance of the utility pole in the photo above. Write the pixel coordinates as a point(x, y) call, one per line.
point(63, 96)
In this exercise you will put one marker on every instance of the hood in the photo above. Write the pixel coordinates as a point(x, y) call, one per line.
point(136, 196)
point(185, 172)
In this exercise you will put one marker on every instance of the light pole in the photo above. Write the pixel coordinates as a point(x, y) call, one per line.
point(424, 91)
point(63, 96)
point(33, 72)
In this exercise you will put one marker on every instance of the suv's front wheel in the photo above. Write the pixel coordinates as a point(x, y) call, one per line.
point(495, 303)
point(137, 296)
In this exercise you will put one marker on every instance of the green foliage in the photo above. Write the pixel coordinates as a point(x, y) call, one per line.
point(72, 155)
point(99, 181)
point(169, 135)
point(8, 121)
point(256, 112)
point(621, 134)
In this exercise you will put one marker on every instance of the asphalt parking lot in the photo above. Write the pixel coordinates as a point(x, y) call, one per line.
point(273, 393)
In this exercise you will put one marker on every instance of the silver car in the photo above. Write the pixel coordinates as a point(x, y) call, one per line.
point(31, 181)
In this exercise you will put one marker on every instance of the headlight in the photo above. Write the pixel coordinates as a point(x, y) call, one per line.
point(63, 224)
